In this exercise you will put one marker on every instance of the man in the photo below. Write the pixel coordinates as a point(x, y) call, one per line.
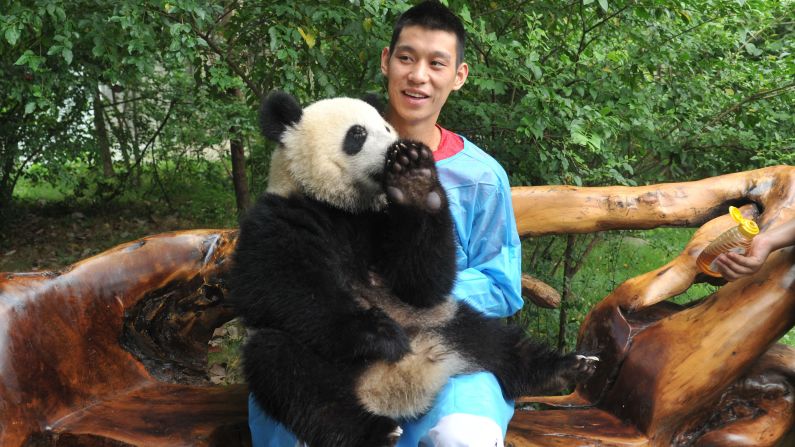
point(423, 65)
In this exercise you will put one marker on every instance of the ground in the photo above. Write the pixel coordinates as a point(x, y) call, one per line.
point(49, 237)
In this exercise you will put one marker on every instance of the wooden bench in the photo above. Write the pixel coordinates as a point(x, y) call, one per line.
point(111, 351)
point(709, 374)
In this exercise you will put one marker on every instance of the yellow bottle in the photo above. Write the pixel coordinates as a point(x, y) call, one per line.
point(737, 239)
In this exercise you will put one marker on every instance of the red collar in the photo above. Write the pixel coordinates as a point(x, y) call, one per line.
point(449, 145)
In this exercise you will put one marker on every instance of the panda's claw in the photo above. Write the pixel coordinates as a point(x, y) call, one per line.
point(394, 437)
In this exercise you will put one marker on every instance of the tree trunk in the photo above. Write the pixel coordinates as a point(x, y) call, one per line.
point(237, 151)
point(103, 146)
point(7, 183)
point(136, 143)
point(122, 135)
point(568, 276)
point(239, 172)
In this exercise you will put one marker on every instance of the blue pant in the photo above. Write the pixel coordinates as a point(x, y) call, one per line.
point(477, 394)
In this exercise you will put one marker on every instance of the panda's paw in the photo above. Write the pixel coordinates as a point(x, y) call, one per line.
point(411, 178)
point(385, 433)
point(379, 337)
point(578, 368)
point(394, 437)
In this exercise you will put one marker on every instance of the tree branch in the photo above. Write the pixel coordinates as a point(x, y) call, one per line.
point(233, 66)
point(218, 51)
point(140, 156)
point(764, 94)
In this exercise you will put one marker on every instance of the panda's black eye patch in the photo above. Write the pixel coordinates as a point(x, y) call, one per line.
point(354, 140)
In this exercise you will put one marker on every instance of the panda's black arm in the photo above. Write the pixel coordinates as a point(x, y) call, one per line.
point(418, 261)
point(287, 275)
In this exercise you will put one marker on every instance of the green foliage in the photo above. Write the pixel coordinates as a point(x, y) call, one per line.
point(582, 92)
point(616, 257)
point(627, 92)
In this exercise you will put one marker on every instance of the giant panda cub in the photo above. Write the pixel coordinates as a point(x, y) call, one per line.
point(344, 269)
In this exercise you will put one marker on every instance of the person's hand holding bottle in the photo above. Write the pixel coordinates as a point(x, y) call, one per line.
point(734, 266)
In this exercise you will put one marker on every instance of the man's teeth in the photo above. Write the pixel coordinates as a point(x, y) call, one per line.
point(415, 95)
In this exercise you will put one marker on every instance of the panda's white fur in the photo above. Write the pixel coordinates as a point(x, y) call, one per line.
point(315, 165)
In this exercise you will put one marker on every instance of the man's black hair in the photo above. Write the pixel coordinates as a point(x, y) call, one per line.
point(434, 16)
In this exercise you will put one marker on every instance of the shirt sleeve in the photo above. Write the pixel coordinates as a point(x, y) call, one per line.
point(491, 281)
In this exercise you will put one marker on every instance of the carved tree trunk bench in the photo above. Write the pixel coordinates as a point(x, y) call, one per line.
point(709, 374)
point(112, 350)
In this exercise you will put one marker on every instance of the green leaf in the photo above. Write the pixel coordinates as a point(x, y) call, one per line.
point(12, 35)
point(67, 55)
point(536, 71)
point(579, 138)
point(30, 107)
point(752, 49)
point(22, 60)
point(465, 15)
point(603, 4)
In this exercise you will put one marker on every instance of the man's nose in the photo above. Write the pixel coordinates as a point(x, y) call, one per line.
point(419, 73)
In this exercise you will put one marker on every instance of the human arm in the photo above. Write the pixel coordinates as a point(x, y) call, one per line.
point(490, 279)
point(733, 266)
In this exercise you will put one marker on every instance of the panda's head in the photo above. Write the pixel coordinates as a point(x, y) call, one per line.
point(333, 150)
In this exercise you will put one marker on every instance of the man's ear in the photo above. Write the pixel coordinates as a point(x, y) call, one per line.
point(277, 111)
point(385, 61)
point(461, 74)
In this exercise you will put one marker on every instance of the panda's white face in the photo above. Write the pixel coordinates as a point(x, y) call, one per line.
point(334, 153)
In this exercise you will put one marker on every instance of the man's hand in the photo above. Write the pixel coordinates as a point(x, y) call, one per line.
point(733, 266)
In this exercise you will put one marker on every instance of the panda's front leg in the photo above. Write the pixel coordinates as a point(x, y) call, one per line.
point(417, 260)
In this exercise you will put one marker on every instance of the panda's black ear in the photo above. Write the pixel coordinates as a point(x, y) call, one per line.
point(277, 111)
point(374, 100)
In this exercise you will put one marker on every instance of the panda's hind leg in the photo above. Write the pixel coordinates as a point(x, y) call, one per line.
point(311, 397)
point(407, 388)
point(522, 366)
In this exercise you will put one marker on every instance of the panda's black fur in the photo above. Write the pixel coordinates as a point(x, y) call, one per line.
point(349, 297)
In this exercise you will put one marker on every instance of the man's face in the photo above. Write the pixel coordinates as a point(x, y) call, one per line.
point(421, 72)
